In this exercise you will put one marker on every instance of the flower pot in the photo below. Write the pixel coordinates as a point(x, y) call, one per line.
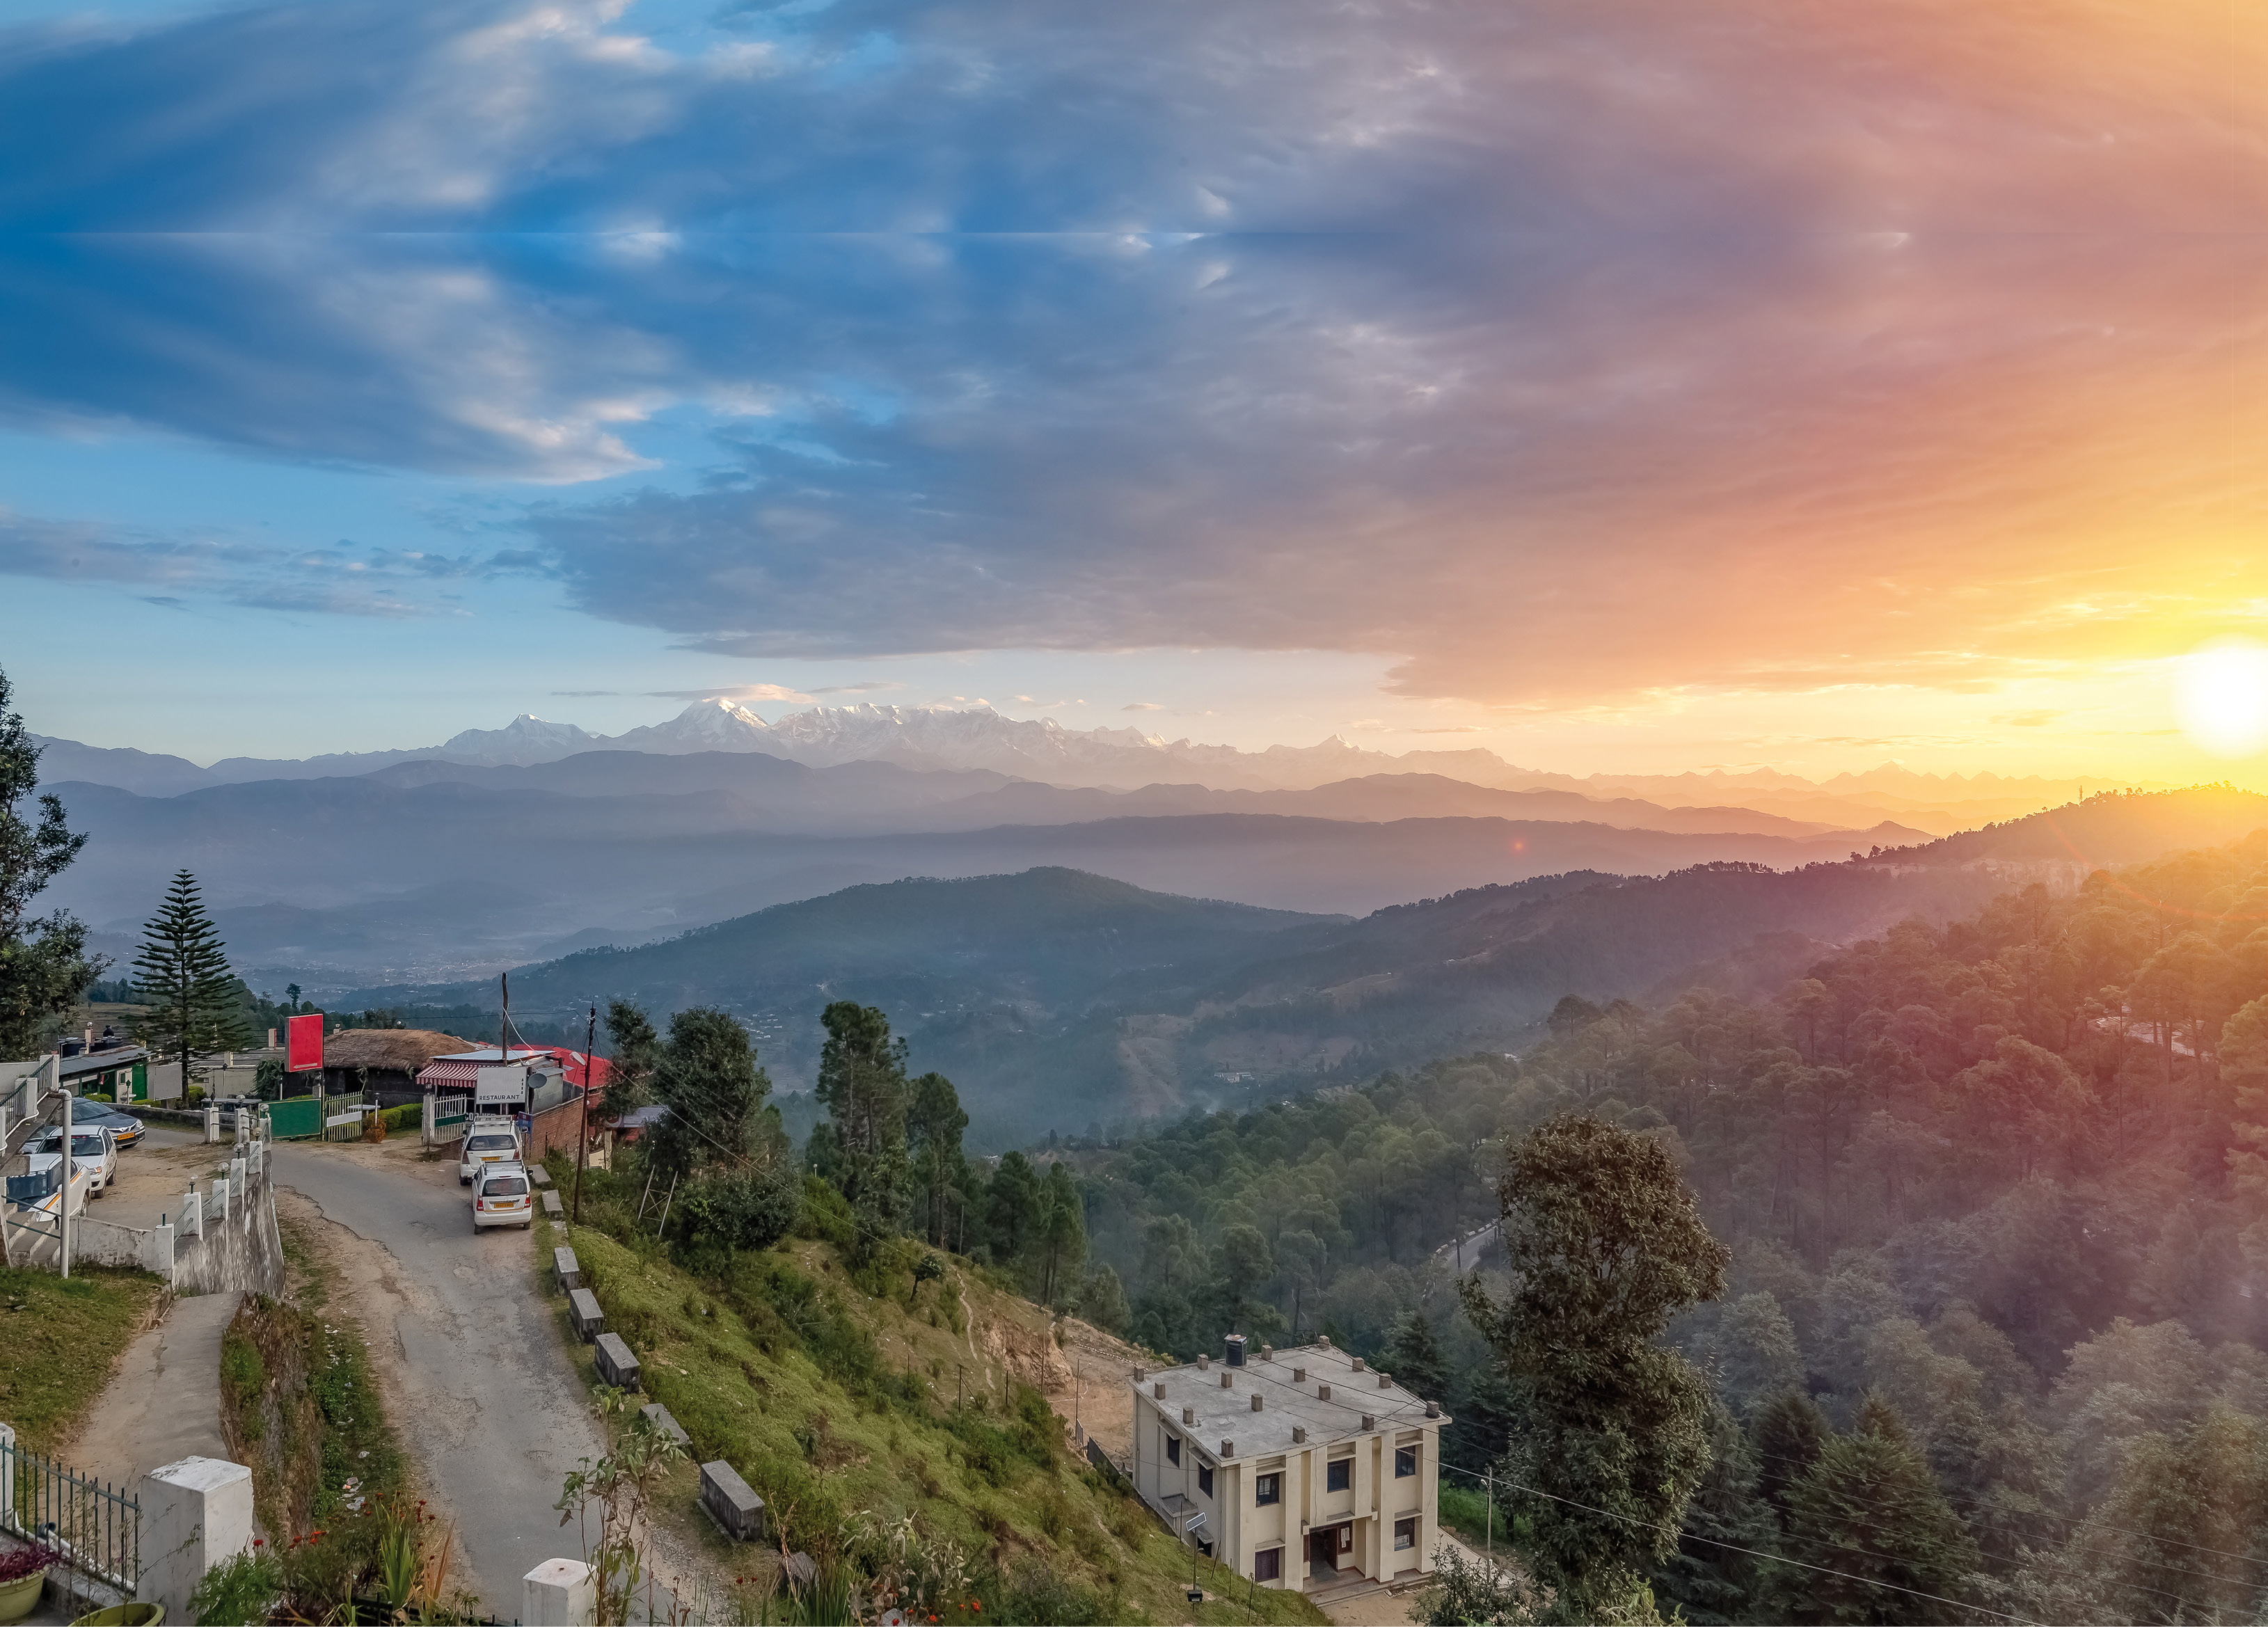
point(145, 1613)
point(17, 1597)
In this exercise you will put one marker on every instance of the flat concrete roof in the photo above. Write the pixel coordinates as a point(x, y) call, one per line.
point(95, 1061)
point(1227, 1414)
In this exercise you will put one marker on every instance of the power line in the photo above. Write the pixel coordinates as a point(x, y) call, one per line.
point(1962, 1499)
point(1868, 1581)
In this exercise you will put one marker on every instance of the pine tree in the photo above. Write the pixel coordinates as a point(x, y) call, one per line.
point(1062, 1231)
point(862, 1082)
point(1787, 1434)
point(43, 960)
point(182, 974)
point(1713, 1575)
point(708, 1076)
point(933, 1126)
point(1413, 1356)
point(637, 1047)
point(1871, 1509)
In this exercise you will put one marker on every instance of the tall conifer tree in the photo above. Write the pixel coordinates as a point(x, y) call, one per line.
point(1870, 1509)
point(182, 973)
point(862, 1081)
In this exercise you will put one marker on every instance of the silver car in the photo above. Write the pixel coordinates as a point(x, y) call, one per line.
point(501, 1196)
point(487, 1141)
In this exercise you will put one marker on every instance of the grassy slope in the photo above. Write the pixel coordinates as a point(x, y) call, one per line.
point(50, 1329)
point(834, 1400)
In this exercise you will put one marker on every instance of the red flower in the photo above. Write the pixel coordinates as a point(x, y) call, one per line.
point(259, 1542)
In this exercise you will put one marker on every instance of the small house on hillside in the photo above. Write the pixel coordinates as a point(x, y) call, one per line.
point(393, 1057)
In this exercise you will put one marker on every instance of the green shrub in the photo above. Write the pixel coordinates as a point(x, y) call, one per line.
point(826, 1215)
point(242, 1589)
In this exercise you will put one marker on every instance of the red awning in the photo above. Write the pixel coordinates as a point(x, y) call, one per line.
point(449, 1075)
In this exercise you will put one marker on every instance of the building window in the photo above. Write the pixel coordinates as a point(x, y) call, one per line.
point(1268, 1565)
point(1205, 1478)
point(1405, 1461)
point(1405, 1535)
point(1268, 1489)
point(1338, 1475)
point(1173, 1447)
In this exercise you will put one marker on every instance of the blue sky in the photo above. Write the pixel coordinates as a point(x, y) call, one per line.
point(1634, 385)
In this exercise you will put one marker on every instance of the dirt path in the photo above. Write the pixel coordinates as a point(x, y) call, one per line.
point(163, 1404)
point(486, 1402)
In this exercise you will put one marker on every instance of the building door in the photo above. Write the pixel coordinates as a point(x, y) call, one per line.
point(1323, 1553)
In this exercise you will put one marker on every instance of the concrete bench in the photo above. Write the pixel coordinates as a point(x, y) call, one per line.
point(551, 1206)
point(616, 1365)
point(738, 1511)
point(582, 1310)
point(539, 1176)
point(658, 1415)
point(570, 1270)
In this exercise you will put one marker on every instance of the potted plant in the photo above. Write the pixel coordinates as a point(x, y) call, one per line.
point(142, 1613)
point(23, 1572)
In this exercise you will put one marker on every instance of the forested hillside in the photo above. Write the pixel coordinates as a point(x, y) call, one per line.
point(1997, 1196)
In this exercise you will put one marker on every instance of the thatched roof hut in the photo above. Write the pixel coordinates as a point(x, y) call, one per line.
point(392, 1054)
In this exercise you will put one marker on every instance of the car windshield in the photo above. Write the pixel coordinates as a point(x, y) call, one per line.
point(490, 1144)
point(87, 1146)
point(510, 1186)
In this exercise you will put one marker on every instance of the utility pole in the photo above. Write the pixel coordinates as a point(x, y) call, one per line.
point(583, 1139)
point(71, 1168)
point(1492, 1524)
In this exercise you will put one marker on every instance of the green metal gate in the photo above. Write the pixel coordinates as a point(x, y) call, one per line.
point(295, 1120)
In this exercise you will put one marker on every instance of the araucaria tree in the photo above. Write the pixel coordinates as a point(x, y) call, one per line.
point(43, 960)
point(862, 1083)
point(182, 973)
point(1605, 1245)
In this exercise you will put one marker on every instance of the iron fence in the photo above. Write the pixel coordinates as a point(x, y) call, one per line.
point(94, 1530)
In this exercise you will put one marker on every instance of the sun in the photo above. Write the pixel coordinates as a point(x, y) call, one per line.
point(2220, 694)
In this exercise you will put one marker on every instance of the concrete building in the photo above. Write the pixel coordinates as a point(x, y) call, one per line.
point(1309, 1469)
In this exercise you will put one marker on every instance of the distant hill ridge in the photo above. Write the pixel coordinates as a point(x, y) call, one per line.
point(979, 738)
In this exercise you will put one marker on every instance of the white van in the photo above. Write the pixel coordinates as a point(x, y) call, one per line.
point(487, 1141)
point(501, 1196)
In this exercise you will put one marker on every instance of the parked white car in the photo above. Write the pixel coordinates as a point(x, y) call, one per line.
point(501, 1196)
point(94, 1153)
point(487, 1141)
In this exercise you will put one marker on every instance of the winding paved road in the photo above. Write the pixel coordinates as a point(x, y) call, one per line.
point(486, 1400)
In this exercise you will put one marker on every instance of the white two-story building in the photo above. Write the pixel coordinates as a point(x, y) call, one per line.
point(1299, 1468)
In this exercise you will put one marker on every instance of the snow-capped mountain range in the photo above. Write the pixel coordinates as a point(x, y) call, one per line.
point(979, 737)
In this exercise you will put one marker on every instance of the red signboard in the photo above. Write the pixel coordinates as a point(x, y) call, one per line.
point(303, 1042)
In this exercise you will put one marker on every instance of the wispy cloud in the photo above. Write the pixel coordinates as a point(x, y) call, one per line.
point(341, 580)
point(1142, 706)
point(736, 692)
point(1565, 353)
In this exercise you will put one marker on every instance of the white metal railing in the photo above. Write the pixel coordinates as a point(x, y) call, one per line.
point(25, 1087)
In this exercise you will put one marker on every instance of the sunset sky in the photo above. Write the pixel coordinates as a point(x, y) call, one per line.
point(1639, 385)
